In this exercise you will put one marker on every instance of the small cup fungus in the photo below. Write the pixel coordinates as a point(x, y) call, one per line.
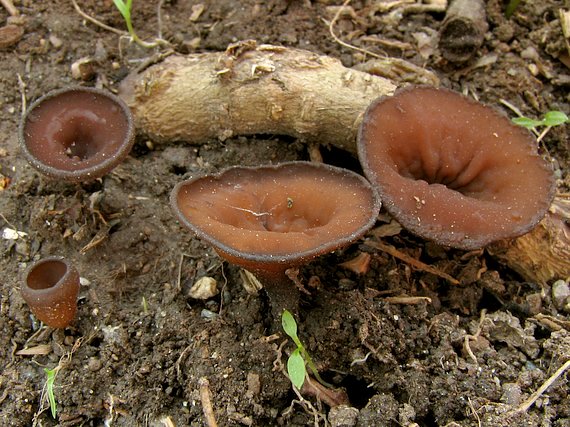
point(77, 134)
point(272, 218)
point(453, 170)
point(50, 288)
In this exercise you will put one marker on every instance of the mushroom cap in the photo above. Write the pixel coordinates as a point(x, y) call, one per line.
point(271, 218)
point(453, 170)
point(50, 288)
point(77, 134)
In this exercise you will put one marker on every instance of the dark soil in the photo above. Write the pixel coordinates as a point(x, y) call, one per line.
point(469, 355)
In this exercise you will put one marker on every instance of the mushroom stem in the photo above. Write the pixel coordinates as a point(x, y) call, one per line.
point(282, 293)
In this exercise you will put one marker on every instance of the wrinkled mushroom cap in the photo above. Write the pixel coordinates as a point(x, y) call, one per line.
point(50, 288)
point(453, 170)
point(276, 217)
point(76, 134)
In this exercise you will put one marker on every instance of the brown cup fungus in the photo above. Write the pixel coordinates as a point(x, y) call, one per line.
point(272, 218)
point(452, 170)
point(50, 288)
point(77, 134)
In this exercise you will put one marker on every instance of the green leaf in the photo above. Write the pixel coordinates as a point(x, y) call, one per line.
point(555, 118)
point(296, 369)
point(289, 324)
point(527, 123)
point(125, 9)
point(49, 389)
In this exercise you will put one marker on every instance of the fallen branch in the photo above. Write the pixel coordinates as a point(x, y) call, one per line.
point(543, 254)
point(250, 89)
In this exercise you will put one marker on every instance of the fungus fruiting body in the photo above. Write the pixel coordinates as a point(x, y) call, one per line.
point(50, 288)
point(76, 134)
point(273, 218)
point(453, 170)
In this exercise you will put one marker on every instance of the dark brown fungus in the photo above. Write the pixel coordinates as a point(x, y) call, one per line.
point(453, 170)
point(50, 288)
point(272, 218)
point(77, 134)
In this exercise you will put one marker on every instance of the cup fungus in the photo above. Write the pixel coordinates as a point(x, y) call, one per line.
point(272, 218)
point(50, 288)
point(453, 170)
point(76, 134)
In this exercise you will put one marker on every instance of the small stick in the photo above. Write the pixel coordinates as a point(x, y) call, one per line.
point(96, 21)
point(533, 397)
point(206, 399)
point(404, 300)
point(412, 261)
point(10, 8)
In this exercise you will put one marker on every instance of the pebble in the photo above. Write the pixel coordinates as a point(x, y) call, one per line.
point(206, 287)
point(343, 416)
point(560, 294)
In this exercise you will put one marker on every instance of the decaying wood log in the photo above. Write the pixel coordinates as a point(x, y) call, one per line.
point(249, 90)
point(543, 254)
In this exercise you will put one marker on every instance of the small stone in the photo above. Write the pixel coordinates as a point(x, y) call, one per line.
point(94, 364)
point(206, 287)
point(55, 41)
point(83, 69)
point(343, 416)
point(560, 294)
point(511, 394)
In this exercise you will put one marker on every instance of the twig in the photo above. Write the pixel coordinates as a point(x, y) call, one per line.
point(9, 6)
point(405, 300)
point(96, 21)
point(412, 261)
point(533, 397)
point(206, 399)
point(22, 87)
point(474, 411)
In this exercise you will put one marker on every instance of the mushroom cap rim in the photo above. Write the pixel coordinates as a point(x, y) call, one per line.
point(69, 270)
point(389, 204)
point(286, 260)
point(92, 172)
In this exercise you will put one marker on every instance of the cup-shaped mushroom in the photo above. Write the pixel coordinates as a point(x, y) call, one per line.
point(271, 218)
point(77, 134)
point(50, 288)
point(453, 170)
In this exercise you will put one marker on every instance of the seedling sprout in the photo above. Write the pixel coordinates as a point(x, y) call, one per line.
point(296, 364)
point(550, 119)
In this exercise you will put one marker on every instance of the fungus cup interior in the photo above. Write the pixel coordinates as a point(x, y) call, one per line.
point(77, 134)
point(50, 288)
point(272, 218)
point(453, 170)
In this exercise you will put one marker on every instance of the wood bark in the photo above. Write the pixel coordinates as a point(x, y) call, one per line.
point(252, 90)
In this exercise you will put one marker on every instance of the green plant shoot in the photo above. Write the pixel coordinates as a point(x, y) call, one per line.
point(550, 119)
point(296, 362)
point(51, 374)
point(511, 7)
point(125, 7)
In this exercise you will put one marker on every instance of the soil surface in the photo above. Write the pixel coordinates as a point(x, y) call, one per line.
point(142, 352)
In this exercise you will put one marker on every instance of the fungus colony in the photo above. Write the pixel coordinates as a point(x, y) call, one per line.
point(447, 168)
